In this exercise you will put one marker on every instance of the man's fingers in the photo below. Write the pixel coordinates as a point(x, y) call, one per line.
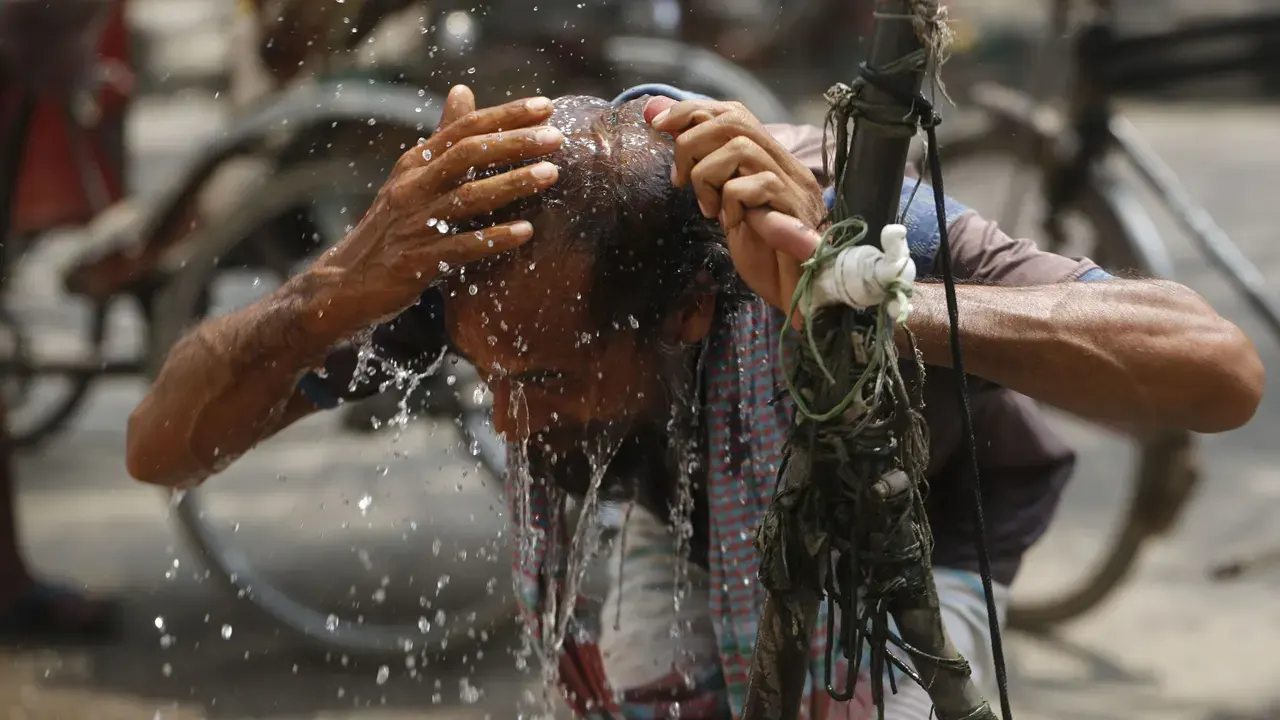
point(657, 105)
point(788, 278)
point(685, 114)
point(742, 194)
point(698, 142)
point(479, 152)
point(469, 247)
point(737, 160)
point(784, 233)
point(491, 148)
point(459, 102)
point(488, 194)
point(508, 116)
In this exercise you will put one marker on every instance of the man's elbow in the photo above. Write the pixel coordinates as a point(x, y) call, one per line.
point(1232, 380)
point(137, 459)
point(143, 458)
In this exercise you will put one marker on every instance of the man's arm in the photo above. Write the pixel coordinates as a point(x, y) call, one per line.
point(1146, 352)
point(233, 380)
point(230, 383)
point(246, 376)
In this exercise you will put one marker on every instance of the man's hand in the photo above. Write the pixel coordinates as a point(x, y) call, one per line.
point(767, 201)
point(407, 239)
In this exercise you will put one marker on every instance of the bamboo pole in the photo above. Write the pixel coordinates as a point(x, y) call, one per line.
point(872, 189)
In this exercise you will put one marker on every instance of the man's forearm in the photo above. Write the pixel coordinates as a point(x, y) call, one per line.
point(230, 383)
point(1134, 351)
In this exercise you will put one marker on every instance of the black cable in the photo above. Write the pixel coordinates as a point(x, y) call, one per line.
point(927, 117)
point(966, 419)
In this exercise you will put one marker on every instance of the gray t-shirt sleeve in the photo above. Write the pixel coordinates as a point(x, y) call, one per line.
point(982, 252)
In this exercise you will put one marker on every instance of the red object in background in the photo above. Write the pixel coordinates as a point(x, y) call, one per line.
point(50, 191)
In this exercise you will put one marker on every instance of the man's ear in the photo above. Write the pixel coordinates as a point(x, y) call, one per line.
point(692, 322)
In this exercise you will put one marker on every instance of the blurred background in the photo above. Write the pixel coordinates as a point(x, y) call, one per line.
point(177, 158)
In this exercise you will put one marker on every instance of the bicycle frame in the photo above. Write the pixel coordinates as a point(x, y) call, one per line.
point(1106, 64)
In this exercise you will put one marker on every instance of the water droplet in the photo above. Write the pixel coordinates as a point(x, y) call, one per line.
point(366, 501)
point(384, 672)
point(331, 623)
point(226, 632)
point(472, 290)
point(379, 596)
point(424, 625)
point(426, 154)
point(471, 71)
point(631, 320)
point(166, 670)
point(160, 623)
point(468, 693)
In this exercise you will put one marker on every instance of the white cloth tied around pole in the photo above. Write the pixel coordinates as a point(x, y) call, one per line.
point(864, 277)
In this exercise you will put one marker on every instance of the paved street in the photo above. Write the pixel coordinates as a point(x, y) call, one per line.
point(403, 527)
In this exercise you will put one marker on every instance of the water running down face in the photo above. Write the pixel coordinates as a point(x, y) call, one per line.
point(595, 321)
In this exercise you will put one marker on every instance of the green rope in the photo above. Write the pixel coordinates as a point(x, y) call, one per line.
point(836, 238)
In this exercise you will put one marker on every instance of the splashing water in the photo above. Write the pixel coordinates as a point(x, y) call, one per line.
point(683, 428)
point(682, 528)
point(558, 599)
point(585, 543)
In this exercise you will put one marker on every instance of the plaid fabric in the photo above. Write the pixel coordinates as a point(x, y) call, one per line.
point(745, 437)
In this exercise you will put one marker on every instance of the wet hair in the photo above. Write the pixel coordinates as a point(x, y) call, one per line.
point(614, 200)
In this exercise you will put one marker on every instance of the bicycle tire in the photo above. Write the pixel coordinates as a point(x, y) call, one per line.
point(52, 421)
point(193, 268)
point(608, 67)
point(695, 69)
point(1166, 473)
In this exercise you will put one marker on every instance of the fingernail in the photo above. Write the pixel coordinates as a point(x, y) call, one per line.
point(522, 228)
point(548, 136)
point(537, 104)
point(545, 171)
point(657, 119)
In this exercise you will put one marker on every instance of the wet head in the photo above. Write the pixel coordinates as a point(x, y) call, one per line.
point(597, 321)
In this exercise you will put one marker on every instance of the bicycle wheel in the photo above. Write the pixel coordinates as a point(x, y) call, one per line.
point(379, 622)
point(40, 401)
point(1061, 578)
point(637, 60)
point(603, 69)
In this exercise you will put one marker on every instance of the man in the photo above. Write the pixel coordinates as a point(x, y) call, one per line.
point(638, 330)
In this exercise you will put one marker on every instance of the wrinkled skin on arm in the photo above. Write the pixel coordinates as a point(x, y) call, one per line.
point(1149, 353)
point(231, 382)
